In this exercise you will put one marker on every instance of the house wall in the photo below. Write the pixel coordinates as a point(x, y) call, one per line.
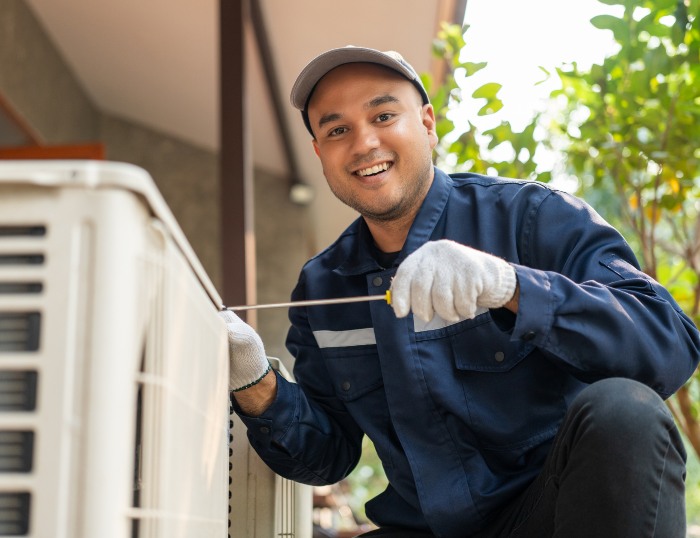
point(38, 83)
point(284, 242)
point(40, 86)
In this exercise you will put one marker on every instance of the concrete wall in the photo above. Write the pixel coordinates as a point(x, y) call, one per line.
point(284, 242)
point(38, 83)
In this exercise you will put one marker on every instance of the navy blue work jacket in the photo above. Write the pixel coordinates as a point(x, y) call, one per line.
point(463, 414)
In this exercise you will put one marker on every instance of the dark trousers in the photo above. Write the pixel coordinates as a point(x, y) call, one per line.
point(616, 470)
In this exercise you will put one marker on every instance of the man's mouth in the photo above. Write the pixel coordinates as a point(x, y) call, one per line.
point(376, 169)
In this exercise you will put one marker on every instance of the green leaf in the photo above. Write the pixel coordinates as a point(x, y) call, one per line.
point(472, 67)
point(619, 27)
point(544, 177)
point(607, 22)
point(490, 108)
point(487, 91)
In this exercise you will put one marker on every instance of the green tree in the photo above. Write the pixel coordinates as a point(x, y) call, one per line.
point(461, 149)
point(627, 128)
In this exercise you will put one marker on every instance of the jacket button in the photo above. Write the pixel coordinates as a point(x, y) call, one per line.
point(377, 281)
point(499, 356)
point(345, 385)
point(529, 335)
point(264, 429)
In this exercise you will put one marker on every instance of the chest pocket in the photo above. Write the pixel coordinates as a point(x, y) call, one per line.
point(355, 371)
point(512, 392)
point(357, 380)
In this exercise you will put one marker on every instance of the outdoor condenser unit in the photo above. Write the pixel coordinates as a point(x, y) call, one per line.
point(113, 366)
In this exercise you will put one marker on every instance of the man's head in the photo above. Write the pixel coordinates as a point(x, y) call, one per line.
point(315, 70)
point(373, 130)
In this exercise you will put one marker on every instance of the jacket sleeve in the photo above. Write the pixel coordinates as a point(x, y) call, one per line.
point(306, 434)
point(587, 305)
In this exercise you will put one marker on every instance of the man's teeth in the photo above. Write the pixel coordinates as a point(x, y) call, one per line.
point(373, 170)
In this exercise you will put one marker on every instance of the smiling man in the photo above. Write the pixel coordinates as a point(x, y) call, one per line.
point(515, 385)
point(374, 140)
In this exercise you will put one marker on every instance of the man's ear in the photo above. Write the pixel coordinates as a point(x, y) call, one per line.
point(428, 119)
point(316, 150)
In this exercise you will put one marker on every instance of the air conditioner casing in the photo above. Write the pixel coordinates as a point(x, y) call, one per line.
point(113, 361)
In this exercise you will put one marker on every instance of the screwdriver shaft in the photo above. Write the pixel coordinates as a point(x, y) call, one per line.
point(313, 302)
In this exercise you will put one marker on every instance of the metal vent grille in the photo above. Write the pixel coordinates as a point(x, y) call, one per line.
point(22, 259)
point(285, 508)
point(14, 514)
point(16, 451)
point(19, 331)
point(17, 390)
point(32, 230)
point(22, 231)
point(19, 288)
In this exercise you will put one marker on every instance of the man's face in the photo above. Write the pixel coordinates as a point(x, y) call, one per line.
point(375, 140)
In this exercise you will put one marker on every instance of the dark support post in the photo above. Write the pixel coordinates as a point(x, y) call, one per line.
point(237, 237)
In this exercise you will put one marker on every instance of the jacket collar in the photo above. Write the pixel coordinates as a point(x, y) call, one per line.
point(361, 261)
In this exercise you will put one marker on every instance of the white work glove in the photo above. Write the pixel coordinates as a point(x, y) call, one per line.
point(452, 280)
point(247, 358)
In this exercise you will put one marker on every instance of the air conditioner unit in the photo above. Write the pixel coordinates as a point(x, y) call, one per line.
point(113, 370)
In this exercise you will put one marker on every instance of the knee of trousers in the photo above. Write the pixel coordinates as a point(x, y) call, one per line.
point(623, 410)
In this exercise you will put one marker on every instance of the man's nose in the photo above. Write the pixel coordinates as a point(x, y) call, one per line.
point(365, 139)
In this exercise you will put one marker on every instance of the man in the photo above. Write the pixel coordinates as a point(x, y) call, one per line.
point(514, 387)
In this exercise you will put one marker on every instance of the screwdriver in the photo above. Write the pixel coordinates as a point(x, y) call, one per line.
point(313, 302)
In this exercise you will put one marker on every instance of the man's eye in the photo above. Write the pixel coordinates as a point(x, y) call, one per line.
point(384, 117)
point(337, 131)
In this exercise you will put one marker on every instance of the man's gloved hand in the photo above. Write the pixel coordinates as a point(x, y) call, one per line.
point(452, 280)
point(247, 358)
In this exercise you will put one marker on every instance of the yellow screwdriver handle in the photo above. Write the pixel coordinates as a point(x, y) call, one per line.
point(388, 296)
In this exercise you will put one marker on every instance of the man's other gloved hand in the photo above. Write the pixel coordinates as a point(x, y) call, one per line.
point(452, 280)
point(247, 358)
